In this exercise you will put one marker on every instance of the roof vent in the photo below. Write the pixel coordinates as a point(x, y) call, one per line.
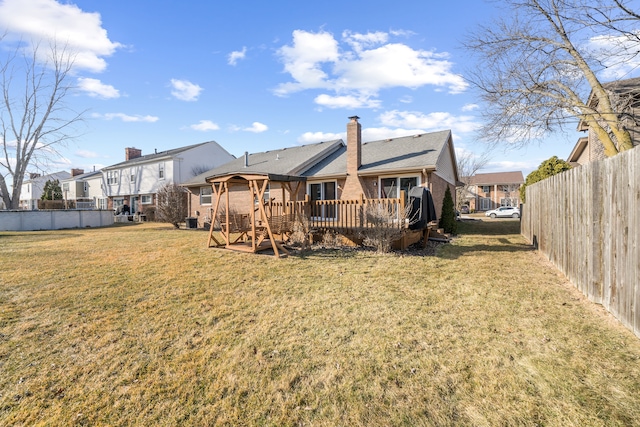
point(246, 159)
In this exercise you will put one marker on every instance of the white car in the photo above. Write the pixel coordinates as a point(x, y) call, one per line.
point(504, 212)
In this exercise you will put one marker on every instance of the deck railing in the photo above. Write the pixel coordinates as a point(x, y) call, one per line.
point(345, 215)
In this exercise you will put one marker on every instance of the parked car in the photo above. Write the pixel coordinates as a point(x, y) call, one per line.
point(504, 212)
point(464, 209)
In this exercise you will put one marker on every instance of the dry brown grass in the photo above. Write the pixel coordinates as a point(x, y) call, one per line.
point(143, 325)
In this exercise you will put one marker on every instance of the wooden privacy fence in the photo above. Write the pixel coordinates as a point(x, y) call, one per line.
point(587, 222)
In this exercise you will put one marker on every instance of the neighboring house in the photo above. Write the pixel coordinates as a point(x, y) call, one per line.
point(338, 171)
point(84, 190)
point(625, 97)
point(491, 190)
point(32, 188)
point(136, 181)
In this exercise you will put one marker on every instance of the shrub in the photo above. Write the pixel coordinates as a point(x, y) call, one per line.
point(448, 216)
point(172, 204)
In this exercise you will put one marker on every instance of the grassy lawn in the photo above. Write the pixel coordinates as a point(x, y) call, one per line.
point(144, 325)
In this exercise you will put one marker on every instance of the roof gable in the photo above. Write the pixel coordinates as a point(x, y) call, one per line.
point(283, 162)
point(155, 156)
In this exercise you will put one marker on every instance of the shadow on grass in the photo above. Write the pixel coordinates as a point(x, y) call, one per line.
point(508, 230)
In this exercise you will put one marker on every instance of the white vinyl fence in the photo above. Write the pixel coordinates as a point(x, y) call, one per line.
point(53, 219)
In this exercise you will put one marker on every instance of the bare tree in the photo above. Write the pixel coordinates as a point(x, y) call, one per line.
point(172, 204)
point(468, 166)
point(538, 69)
point(34, 119)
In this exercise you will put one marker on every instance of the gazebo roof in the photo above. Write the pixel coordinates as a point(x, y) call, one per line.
point(249, 176)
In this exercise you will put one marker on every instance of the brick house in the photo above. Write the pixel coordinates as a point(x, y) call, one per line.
point(488, 191)
point(337, 171)
point(136, 181)
point(625, 96)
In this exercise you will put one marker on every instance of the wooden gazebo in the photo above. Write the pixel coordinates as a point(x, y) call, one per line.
point(249, 222)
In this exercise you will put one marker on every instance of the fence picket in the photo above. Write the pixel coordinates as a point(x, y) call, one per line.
point(585, 221)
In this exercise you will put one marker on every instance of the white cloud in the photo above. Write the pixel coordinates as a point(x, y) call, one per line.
point(470, 107)
point(429, 122)
point(313, 137)
point(86, 154)
point(256, 127)
point(303, 60)
point(66, 24)
point(205, 125)
point(619, 55)
point(127, 117)
point(346, 101)
point(95, 88)
point(235, 56)
point(360, 67)
point(184, 90)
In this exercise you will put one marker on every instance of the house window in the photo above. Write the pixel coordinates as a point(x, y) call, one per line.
point(118, 203)
point(485, 203)
point(133, 176)
point(161, 170)
point(391, 187)
point(205, 195)
point(509, 201)
point(319, 191)
point(147, 199)
point(85, 187)
point(486, 188)
point(102, 203)
point(65, 186)
point(112, 177)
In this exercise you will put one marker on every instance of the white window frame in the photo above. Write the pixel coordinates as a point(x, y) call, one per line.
point(112, 177)
point(161, 171)
point(324, 214)
point(204, 195)
point(397, 178)
point(509, 201)
point(146, 199)
point(103, 202)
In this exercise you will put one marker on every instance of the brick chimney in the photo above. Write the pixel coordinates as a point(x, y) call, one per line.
point(353, 188)
point(354, 146)
point(132, 153)
point(76, 172)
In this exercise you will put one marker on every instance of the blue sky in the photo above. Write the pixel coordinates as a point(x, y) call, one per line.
point(261, 75)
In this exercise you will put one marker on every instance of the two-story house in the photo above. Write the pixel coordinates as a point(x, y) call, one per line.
point(33, 187)
point(84, 190)
point(488, 191)
point(625, 96)
point(136, 181)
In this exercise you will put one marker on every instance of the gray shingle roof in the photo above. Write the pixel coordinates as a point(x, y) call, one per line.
point(388, 155)
point(154, 156)
point(84, 176)
point(286, 161)
point(497, 178)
